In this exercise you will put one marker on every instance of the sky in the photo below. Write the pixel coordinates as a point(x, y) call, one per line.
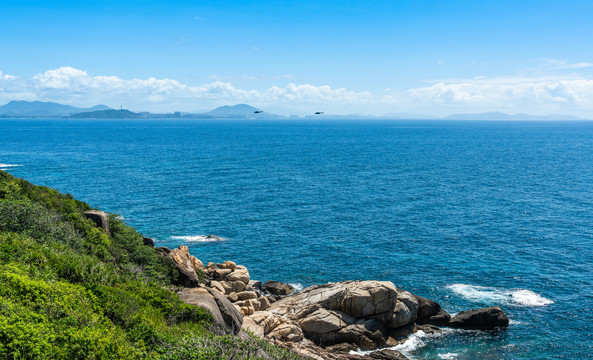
point(297, 57)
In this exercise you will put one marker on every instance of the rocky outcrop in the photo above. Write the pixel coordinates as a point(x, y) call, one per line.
point(321, 321)
point(406, 309)
point(231, 315)
point(429, 312)
point(162, 251)
point(350, 311)
point(100, 218)
point(186, 265)
point(148, 241)
point(226, 316)
point(273, 326)
point(480, 319)
point(201, 297)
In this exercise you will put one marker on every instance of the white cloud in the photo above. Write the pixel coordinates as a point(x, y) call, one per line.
point(74, 86)
point(514, 91)
point(562, 64)
point(569, 94)
point(510, 94)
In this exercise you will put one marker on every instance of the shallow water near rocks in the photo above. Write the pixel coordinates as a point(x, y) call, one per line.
point(469, 214)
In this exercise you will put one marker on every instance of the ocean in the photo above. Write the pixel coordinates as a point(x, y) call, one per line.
point(467, 213)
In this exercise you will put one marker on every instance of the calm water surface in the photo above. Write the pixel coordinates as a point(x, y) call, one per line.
point(470, 214)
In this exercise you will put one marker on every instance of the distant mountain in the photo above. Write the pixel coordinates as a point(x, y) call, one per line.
point(45, 109)
point(408, 116)
point(239, 111)
point(502, 116)
point(107, 114)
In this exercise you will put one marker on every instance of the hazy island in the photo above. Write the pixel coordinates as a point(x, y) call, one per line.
point(39, 109)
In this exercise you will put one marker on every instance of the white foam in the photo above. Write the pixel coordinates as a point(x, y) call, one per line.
point(7, 166)
point(517, 297)
point(414, 342)
point(448, 356)
point(198, 238)
point(297, 286)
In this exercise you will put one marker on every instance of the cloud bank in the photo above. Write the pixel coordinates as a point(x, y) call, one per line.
point(571, 95)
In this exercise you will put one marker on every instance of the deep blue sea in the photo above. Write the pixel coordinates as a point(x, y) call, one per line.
point(469, 214)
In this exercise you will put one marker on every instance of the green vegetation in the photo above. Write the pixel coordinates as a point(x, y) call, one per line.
point(107, 114)
point(69, 291)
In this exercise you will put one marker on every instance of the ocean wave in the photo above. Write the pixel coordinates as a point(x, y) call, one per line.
point(516, 297)
point(198, 238)
point(448, 356)
point(297, 286)
point(7, 166)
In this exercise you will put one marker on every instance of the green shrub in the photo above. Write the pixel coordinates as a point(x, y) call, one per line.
point(69, 291)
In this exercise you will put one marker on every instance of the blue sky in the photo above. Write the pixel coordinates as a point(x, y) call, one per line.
point(431, 57)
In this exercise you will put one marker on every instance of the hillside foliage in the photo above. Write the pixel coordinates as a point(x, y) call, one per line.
point(70, 291)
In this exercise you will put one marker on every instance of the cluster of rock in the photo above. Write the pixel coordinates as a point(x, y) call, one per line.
point(322, 321)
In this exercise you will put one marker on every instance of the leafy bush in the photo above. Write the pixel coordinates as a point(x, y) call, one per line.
point(69, 291)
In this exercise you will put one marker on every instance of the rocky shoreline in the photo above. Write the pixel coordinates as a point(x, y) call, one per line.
point(330, 321)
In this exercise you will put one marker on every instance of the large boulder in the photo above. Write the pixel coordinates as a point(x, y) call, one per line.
point(231, 315)
point(350, 311)
point(232, 286)
point(162, 251)
point(323, 321)
point(277, 288)
point(183, 261)
point(240, 273)
point(406, 310)
point(361, 336)
point(272, 326)
point(100, 218)
point(430, 312)
point(202, 298)
point(197, 263)
point(480, 319)
point(227, 265)
point(369, 299)
point(226, 316)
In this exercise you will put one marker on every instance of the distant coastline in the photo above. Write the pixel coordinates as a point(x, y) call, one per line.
point(39, 109)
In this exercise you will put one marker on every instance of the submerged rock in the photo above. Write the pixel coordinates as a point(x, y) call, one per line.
point(277, 288)
point(480, 319)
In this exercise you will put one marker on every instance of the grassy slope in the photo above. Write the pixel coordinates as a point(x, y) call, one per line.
point(68, 291)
